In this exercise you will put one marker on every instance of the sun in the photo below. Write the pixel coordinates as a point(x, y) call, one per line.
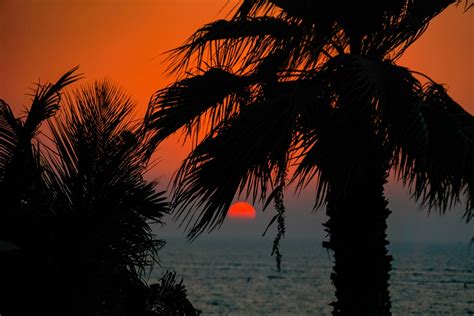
point(241, 210)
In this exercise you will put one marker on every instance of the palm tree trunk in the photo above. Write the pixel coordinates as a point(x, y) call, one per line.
point(357, 237)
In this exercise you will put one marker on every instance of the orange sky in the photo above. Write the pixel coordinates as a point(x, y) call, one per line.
point(123, 40)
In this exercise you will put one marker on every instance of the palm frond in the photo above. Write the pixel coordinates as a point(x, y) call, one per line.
point(399, 31)
point(239, 44)
point(415, 124)
point(389, 93)
point(15, 135)
point(243, 155)
point(21, 172)
point(216, 93)
point(307, 10)
point(358, 89)
point(251, 8)
point(46, 101)
point(392, 27)
point(9, 129)
point(226, 42)
point(447, 172)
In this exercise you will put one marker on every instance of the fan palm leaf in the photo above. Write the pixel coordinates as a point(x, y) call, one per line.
point(442, 179)
point(186, 102)
point(227, 40)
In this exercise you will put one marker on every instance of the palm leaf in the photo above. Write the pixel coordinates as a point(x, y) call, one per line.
point(9, 128)
point(398, 32)
point(447, 172)
point(215, 92)
point(417, 126)
point(393, 25)
point(227, 41)
point(15, 135)
point(244, 154)
point(21, 172)
point(245, 40)
point(46, 101)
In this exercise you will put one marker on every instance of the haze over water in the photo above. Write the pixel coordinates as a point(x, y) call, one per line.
point(237, 276)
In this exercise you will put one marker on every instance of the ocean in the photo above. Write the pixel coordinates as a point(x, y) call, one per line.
point(226, 276)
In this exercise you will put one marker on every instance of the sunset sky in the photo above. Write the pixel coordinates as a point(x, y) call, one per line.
point(124, 40)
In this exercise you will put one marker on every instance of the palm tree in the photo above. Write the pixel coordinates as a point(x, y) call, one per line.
point(315, 85)
point(25, 198)
point(90, 209)
point(103, 204)
point(20, 167)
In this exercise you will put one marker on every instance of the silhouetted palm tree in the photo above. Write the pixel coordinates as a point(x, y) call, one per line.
point(89, 208)
point(315, 85)
point(21, 183)
point(25, 200)
point(102, 203)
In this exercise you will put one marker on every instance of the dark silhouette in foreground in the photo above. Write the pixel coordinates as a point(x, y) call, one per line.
point(315, 85)
point(76, 210)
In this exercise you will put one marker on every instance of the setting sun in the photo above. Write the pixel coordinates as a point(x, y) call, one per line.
point(241, 210)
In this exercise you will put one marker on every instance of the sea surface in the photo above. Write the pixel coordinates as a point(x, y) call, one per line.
point(227, 276)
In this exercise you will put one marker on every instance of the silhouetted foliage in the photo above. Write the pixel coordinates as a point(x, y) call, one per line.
point(97, 181)
point(169, 297)
point(77, 210)
point(316, 85)
point(278, 202)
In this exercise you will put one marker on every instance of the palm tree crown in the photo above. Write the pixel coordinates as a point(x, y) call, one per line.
point(282, 82)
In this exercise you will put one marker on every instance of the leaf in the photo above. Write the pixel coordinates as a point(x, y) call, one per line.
point(184, 103)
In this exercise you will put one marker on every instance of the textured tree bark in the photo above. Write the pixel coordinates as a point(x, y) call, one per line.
point(357, 236)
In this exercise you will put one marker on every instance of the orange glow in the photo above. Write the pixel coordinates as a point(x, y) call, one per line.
point(241, 210)
point(124, 41)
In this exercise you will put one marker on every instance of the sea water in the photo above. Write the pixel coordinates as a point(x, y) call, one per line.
point(226, 276)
